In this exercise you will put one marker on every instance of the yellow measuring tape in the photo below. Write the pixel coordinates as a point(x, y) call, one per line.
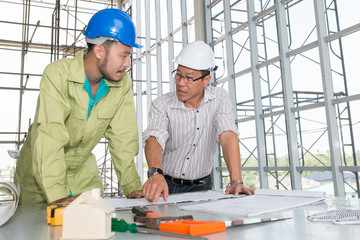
point(54, 216)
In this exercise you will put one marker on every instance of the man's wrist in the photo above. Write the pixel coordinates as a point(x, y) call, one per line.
point(237, 181)
point(234, 181)
point(153, 171)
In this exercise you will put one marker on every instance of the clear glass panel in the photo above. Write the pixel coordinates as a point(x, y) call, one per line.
point(271, 88)
point(244, 96)
point(241, 48)
point(276, 141)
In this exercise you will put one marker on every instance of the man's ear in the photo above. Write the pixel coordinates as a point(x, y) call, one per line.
point(99, 51)
point(207, 80)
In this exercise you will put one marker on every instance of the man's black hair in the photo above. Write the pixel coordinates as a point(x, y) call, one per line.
point(90, 46)
point(205, 72)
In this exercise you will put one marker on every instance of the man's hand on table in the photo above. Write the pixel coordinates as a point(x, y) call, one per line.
point(135, 194)
point(236, 188)
point(155, 187)
point(66, 200)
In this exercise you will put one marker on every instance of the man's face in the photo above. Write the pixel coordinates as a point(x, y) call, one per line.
point(187, 90)
point(116, 61)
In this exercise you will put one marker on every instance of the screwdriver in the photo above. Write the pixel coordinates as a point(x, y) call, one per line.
point(122, 226)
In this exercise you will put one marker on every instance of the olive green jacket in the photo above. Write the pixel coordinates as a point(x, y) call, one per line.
point(56, 156)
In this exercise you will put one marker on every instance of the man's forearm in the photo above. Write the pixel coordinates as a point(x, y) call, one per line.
point(153, 153)
point(231, 151)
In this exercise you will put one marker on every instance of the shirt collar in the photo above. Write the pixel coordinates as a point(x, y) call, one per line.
point(103, 89)
point(208, 96)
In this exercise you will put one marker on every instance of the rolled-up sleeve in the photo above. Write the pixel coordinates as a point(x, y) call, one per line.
point(158, 123)
point(224, 118)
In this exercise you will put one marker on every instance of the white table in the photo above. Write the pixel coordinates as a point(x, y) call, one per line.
point(29, 222)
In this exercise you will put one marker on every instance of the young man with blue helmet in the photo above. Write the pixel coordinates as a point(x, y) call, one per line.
point(81, 100)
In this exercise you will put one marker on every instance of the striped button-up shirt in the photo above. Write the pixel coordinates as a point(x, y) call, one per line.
point(188, 136)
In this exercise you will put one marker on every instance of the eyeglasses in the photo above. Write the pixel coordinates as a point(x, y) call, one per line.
point(188, 80)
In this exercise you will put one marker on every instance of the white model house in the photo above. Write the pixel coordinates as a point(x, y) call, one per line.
point(87, 217)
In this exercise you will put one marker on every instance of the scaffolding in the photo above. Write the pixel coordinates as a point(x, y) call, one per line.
point(257, 47)
point(269, 107)
point(63, 39)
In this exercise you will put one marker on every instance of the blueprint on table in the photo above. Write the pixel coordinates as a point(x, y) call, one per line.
point(264, 201)
point(121, 203)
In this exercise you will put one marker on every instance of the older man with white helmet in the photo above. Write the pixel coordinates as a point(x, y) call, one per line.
point(184, 127)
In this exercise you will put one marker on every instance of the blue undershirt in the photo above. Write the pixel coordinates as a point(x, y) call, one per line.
point(103, 89)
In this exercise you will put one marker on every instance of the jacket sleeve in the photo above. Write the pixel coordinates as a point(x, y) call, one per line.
point(122, 135)
point(48, 146)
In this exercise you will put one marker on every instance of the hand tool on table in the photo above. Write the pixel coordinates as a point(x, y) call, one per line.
point(195, 228)
point(190, 227)
point(122, 226)
point(54, 216)
point(153, 220)
point(143, 211)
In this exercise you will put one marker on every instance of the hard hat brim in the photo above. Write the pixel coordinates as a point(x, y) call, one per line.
point(137, 45)
point(101, 39)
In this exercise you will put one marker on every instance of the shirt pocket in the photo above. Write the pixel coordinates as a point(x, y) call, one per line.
point(104, 116)
point(106, 112)
point(75, 124)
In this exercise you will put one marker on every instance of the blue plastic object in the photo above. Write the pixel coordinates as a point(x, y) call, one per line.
point(112, 23)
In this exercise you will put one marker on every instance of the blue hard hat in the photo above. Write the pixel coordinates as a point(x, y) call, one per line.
point(114, 24)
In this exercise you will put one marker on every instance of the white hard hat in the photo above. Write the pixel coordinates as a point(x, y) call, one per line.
point(197, 55)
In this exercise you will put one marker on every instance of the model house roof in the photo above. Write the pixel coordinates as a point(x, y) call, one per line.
point(93, 197)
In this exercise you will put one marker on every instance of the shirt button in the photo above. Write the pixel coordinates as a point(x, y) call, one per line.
point(187, 158)
point(194, 145)
point(183, 174)
point(197, 110)
point(197, 129)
